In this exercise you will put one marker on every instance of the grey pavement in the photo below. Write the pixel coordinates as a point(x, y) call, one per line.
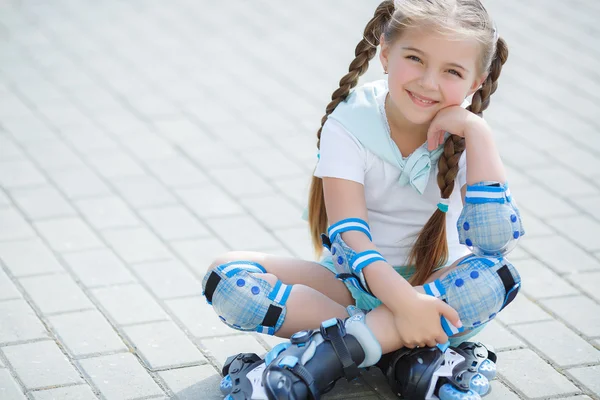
point(140, 139)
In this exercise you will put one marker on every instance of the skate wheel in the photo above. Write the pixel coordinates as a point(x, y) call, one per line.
point(488, 369)
point(449, 392)
point(479, 384)
point(225, 385)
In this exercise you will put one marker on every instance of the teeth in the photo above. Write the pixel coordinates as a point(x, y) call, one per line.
point(421, 100)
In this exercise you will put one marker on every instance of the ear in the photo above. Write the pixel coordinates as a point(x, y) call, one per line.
point(477, 84)
point(384, 53)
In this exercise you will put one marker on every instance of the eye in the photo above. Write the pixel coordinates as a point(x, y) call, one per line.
point(455, 72)
point(414, 58)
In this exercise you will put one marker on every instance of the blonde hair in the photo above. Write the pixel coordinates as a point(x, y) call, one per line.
point(462, 19)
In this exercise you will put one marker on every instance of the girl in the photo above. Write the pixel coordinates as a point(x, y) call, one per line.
point(398, 160)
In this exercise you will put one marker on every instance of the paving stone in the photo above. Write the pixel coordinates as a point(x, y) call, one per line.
point(4, 200)
point(13, 225)
point(174, 223)
point(169, 279)
point(143, 191)
point(560, 255)
point(297, 241)
point(42, 202)
point(19, 173)
point(120, 376)
point(177, 172)
point(198, 317)
point(163, 345)
point(7, 288)
point(68, 234)
point(209, 201)
point(497, 336)
point(41, 364)
point(129, 304)
point(89, 140)
point(107, 212)
point(558, 343)
point(532, 376)
point(582, 230)
point(499, 391)
point(241, 182)
point(115, 163)
point(9, 388)
point(77, 392)
point(19, 322)
point(539, 281)
point(295, 188)
point(588, 376)
point(54, 154)
point(589, 204)
point(274, 211)
point(271, 163)
point(522, 310)
point(43, 291)
point(79, 183)
point(551, 207)
point(213, 155)
point(579, 311)
point(242, 233)
point(136, 245)
point(589, 282)
point(28, 257)
point(180, 131)
point(86, 332)
point(563, 181)
point(200, 382)
point(222, 347)
point(98, 268)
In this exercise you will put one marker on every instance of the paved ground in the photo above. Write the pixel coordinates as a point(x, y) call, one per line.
point(139, 139)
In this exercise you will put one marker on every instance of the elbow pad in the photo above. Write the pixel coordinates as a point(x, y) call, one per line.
point(490, 222)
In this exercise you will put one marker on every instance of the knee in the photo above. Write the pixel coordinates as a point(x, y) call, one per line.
point(221, 260)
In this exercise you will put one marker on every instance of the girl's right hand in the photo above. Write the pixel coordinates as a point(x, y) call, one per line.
point(418, 320)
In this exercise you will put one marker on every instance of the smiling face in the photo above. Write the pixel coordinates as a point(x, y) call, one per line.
point(429, 71)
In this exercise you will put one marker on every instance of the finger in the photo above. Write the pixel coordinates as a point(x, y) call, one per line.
point(450, 314)
point(441, 338)
point(410, 345)
point(431, 343)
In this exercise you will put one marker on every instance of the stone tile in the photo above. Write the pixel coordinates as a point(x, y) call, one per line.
point(497, 336)
point(180, 131)
point(41, 364)
point(14, 225)
point(19, 173)
point(120, 376)
point(522, 310)
point(177, 172)
point(9, 388)
point(98, 268)
point(148, 146)
point(198, 254)
point(89, 140)
point(79, 183)
point(242, 233)
point(28, 257)
point(107, 212)
point(7, 288)
point(588, 376)
point(589, 282)
point(42, 202)
point(532, 376)
point(54, 154)
point(274, 211)
point(129, 304)
point(212, 154)
point(551, 207)
point(198, 317)
point(209, 201)
point(581, 230)
point(194, 382)
point(114, 164)
point(589, 204)
point(534, 226)
point(43, 291)
point(4, 200)
point(77, 392)
point(563, 347)
point(297, 241)
point(143, 191)
point(539, 281)
point(295, 188)
point(222, 347)
point(241, 182)
point(579, 311)
point(271, 163)
point(560, 254)
point(168, 279)
point(86, 332)
point(499, 391)
point(174, 223)
point(136, 245)
point(163, 345)
point(68, 234)
point(563, 181)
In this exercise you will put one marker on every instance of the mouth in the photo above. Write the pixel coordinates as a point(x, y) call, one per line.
point(421, 101)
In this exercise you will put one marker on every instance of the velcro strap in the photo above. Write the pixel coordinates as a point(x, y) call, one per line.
point(280, 293)
point(361, 260)
point(307, 378)
point(341, 350)
point(211, 285)
point(510, 287)
point(478, 194)
point(349, 224)
point(271, 318)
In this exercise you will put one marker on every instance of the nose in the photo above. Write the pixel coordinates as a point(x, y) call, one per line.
point(428, 80)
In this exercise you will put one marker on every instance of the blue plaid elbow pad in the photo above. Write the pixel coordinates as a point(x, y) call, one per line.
point(490, 223)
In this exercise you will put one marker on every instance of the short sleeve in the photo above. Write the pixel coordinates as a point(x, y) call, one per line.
point(461, 177)
point(341, 154)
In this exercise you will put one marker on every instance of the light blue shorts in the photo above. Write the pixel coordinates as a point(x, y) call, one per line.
point(367, 302)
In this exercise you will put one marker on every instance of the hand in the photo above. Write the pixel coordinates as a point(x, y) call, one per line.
point(455, 120)
point(418, 321)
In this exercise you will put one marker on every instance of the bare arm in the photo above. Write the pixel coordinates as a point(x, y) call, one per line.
point(483, 159)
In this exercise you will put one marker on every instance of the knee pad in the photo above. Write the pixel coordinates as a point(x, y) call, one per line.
point(490, 223)
point(478, 289)
point(244, 301)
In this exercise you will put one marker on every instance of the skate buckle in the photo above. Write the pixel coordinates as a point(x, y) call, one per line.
point(332, 328)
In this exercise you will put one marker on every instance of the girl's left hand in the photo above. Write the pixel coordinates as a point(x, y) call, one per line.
point(454, 119)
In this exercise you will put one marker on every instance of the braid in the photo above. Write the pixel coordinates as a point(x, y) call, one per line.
point(431, 248)
point(364, 52)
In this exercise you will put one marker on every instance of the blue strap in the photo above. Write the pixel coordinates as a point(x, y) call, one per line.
point(349, 224)
point(232, 268)
point(280, 293)
point(480, 193)
point(363, 259)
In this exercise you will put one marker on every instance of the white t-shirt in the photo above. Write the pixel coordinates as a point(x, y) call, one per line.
point(396, 214)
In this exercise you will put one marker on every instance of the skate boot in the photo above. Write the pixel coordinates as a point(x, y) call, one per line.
point(458, 373)
point(305, 367)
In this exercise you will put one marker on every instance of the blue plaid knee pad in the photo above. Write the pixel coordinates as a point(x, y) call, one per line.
point(478, 289)
point(490, 222)
point(243, 301)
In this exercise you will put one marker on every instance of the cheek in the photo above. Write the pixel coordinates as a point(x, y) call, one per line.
point(402, 72)
point(454, 92)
